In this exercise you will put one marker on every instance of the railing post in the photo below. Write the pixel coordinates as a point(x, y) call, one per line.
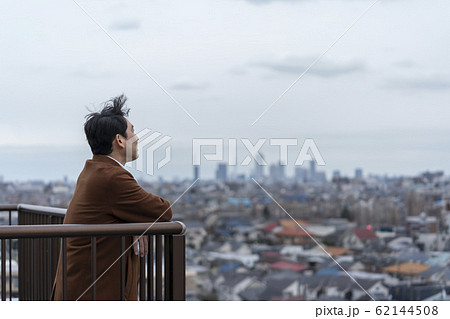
point(21, 257)
point(150, 264)
point(10, 257)
point(122, 268)
point(10, 269)
point(64, 267)
point(93, 265)
point(167, 267)
point(3, 277)
point(159, 267)
point(178, 271)
point(33, 286)
point(50, 262)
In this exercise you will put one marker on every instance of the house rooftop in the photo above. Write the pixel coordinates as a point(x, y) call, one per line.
point(289, 223)
point(287, 265)
point(408, 268)
point(293, 232)
point(270, 226)
point(365, 234)
point(334, 250)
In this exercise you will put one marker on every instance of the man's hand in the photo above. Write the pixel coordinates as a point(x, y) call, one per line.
point(140, 245)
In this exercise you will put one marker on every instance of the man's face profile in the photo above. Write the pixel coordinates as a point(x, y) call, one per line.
point(131, 143)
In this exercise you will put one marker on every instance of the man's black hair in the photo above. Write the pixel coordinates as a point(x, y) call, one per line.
point(101, 127)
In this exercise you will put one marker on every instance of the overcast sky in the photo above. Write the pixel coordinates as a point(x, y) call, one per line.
point(378, 99)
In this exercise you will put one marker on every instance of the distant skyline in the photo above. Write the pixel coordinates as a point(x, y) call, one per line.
point(50, 163)
point(377, 100)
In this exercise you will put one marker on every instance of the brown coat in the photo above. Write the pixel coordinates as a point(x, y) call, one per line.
point(106, 193)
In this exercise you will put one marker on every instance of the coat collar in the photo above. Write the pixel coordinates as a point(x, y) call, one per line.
point(105, 159)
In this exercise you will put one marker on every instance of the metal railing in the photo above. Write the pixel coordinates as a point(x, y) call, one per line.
point(39, 234)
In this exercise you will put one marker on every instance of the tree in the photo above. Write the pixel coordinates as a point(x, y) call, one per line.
point(266, 212)
point(345, 213)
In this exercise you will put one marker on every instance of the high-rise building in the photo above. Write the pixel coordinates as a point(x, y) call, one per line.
point(282, 172)
point(300, 174)
point(336, 174)
point(221, 172)
point(273, 172)
point(196, 172)
point(277, 172)
point(259, 172)
point(312, 171)
point(320, 177)
point(358, 173)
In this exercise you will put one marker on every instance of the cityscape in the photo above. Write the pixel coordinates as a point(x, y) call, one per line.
point(308, 237)
point(303, 144)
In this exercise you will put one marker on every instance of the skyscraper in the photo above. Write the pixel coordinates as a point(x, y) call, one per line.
point(259, 172)
point(312, 171)
point(277, 172)
point(336, 174)
point(196, 172)
point(300, 174)
point(221, 172)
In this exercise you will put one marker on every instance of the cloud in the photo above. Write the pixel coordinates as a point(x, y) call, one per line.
point(125, 25)
point(436, 82)
point(405, 64)
point(323, 68)
point(186, 85)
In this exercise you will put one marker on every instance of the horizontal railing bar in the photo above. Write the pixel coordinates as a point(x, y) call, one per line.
point(7, 207)
point(41, 210)
point(84, 230)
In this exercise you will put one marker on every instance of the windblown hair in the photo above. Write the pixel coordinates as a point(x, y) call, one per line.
point(102, 127)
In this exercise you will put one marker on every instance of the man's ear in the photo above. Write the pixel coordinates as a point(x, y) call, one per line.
point(120, 141)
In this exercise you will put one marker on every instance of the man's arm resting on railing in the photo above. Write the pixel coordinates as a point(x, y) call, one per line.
point(131, 203)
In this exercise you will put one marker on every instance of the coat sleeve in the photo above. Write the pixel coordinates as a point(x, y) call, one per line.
point(131, 203)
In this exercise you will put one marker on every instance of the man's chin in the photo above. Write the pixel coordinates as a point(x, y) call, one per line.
point(132, 159)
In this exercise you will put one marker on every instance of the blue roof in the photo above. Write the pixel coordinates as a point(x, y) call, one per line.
point(328, 272)
point(224, 232)
point(229, 266)
point(240, 201)
point(237, 222)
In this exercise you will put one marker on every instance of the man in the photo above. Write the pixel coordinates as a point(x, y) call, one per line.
point(106, 193)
